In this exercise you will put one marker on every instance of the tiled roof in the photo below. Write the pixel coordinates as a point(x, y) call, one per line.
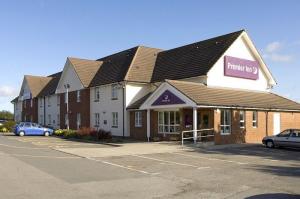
point(192, 60)
point(85, 69)
point(139, 102)
point(36, 83)
point(212, 96)
point(50, 88)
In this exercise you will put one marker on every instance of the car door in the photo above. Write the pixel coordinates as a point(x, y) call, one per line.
point(282, 138)
point(295, 138)
point(36, 129)
point(28, 128)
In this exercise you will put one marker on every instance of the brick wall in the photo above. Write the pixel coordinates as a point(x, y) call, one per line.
point(82, 107)
point(30, 112)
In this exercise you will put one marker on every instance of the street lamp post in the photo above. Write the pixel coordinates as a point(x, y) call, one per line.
point(67, 86)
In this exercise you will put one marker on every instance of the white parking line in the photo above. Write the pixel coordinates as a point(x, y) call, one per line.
point(214, 159)
point(170, 162)
point(122, 166)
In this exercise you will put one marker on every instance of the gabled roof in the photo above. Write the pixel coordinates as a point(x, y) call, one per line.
point(15, 100)
point(50, 88)
point(36, 83)
point(212, 96)
point(138, 103)
point(85, 69)
point(134, 64)
point(192, 60)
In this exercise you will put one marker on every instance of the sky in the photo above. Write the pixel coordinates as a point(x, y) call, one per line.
point(36, 36)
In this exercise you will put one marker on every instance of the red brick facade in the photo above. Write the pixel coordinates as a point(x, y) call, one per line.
point(30, 110)
point(248, 134)
point(82, 107)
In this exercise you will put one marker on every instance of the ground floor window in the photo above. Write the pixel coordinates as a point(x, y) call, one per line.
point(58, 119)
point(242, 119)
point(225, 122)
point(115, 119)
point(254, 119)
point(78, 120)
point(138, 119)
point(168, 122)
point(66, 120)
point(49, 119)
point(97, 119)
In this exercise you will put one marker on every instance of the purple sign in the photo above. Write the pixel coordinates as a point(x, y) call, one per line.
point(242, 68)
point(167, 98)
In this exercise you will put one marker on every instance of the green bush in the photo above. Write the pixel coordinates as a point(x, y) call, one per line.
point(3, 129)
point(58, 132)
point(69, 133)
point(8, 126)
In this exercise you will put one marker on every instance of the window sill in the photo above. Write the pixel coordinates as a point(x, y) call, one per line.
point(114, 127)
point(96, 100)
point(114, 98)
point(138, 126)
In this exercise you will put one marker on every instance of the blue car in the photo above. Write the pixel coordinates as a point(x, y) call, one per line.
point(29, 128)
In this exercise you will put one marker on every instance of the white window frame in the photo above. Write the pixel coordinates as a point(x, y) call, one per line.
point(97, 119)
point(58, 119)
point(97, 94)
point(78, 120)
point(163, 125)
point(115, 120)
point(225, 125)
point(114, 91)
point(254, 119)
point(49, 119)
point(138, 115)
point(78, 96)
point(242, 120)
point(58, 100)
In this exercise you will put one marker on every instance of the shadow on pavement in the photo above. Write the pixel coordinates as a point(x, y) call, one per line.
point(274, 196)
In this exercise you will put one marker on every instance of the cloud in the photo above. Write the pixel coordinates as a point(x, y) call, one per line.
point(7, 91)
point(273, 47)
point(273, 52)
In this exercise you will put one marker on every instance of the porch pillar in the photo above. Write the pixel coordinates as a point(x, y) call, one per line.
point(195, 124)
point(148, 124)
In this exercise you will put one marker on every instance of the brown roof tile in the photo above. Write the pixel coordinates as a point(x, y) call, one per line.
point(36, 83)
point(50, 88)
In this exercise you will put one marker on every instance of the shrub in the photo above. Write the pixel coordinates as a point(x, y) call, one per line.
point(3, 130)
point(102, 134)
point(58, 132)
point(85, 132)
point(69, 133)
point(9, 125)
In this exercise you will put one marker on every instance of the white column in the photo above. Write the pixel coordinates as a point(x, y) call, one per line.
point(148, 124)
point(195, 124)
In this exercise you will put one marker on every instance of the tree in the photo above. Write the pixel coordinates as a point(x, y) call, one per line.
point(6, 115)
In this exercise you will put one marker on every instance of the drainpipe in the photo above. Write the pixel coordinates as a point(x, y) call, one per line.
point(123, 88)
point(267, 118)
point(44, 110)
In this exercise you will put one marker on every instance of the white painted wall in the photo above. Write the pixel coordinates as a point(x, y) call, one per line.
point(105, 107)
point(239, 49)
point(50, 107)
point(70, 77)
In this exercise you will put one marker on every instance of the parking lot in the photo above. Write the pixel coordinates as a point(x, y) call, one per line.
point(49, 167)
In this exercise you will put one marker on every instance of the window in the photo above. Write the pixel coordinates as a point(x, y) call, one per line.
point(97, 94)
point(225, 122)
point(285, 133)
point(66, 119)
point(41, 119)
point(41, 102)
point(31, 102)
point(58, 119)
point(58, 100)
point(242, 119)
point(49, 119)
point(254, 119)
point(78, 96)
point(66, 98)
point(115, 119)
point(295, 133)
point(49, 101)
point(78, 120)
point(97, 119)
point(168, 122)
point(114, 91)
point(138, 119)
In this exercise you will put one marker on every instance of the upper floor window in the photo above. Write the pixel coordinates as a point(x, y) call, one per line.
point(254, 119)
point(97, 94)
point(58, 100)
point(41, 102)
point(114, 91)
point(138, 119)
point(225, 121)
point(66, 98)
point(49, 101)
point(78, 96)
point(242, 119)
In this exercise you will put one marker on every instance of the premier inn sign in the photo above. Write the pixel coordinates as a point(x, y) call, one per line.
point(242, 68)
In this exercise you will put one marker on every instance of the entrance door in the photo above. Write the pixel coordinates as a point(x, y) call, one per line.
point(276, 123)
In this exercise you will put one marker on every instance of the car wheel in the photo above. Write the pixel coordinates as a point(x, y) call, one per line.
point(270, 144)
point(22, 133)
point(46, 133)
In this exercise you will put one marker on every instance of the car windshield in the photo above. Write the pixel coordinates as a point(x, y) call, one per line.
point(285, 133)
point(27, 125)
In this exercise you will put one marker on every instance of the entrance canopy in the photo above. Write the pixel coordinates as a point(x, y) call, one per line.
point(180, 94)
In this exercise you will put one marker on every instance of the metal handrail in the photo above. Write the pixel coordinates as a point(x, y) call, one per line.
point(198, 136)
